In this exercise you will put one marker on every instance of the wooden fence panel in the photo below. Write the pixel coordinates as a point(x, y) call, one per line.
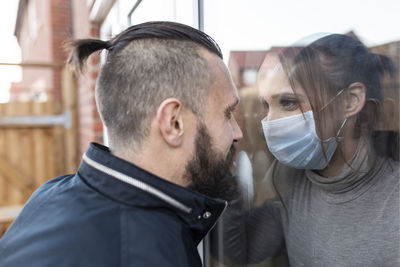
point(31, 153)
point(3, 142)
point(69, 96)
point(13, 152)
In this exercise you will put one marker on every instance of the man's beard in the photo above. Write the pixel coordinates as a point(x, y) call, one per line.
point(209, 172)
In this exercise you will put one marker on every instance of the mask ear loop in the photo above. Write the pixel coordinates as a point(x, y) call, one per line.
point(332, 99)
point(341, 127)
point(344, 122)
point(338, 138)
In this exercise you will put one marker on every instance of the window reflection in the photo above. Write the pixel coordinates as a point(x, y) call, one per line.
point(316, 181)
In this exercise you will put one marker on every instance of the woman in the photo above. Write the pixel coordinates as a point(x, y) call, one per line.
point(332, 196)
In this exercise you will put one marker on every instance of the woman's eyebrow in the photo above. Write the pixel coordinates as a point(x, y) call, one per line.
point(291, 95)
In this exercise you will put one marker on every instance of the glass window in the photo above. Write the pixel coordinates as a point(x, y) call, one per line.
point(181, 11)
point(319, 161)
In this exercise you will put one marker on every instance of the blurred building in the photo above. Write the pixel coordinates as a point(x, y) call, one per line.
point(244, 66)
point(44, 27)
point(389, 119)
point(41, 28)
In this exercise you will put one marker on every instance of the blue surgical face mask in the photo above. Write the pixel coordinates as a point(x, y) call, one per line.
point(294, 142)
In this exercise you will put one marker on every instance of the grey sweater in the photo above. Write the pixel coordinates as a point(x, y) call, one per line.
point(349, 220)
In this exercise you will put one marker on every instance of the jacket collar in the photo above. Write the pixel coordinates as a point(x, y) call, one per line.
point(126, 183)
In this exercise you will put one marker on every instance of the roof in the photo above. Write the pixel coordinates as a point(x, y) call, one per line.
point(248, 59)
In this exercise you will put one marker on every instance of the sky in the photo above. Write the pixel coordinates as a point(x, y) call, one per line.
point(260, 24)
point(10, 51)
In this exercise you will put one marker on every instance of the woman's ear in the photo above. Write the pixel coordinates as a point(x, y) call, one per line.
point(355, 99)
point(170, 121)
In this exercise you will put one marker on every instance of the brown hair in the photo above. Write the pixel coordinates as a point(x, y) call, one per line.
point(327, 67)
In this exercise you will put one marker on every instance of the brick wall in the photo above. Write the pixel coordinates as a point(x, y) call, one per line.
point(60, 21)
point(57, 22)
point(90, 126)
point(34, 38)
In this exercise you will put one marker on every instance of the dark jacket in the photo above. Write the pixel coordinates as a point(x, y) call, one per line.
point(110, 213)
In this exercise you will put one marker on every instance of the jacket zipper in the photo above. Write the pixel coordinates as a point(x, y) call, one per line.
point(137, 183)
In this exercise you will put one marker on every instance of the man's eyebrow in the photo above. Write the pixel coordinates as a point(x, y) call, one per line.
point(233, 106)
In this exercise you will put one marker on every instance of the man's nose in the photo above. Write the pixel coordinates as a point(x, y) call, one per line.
point(237, 132)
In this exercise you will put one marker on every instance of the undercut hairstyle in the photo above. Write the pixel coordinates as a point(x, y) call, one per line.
point(146, 64)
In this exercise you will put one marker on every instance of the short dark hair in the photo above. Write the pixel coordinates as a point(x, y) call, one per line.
point(145, 64)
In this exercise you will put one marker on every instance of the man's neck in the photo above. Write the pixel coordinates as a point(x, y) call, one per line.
point(155, 163)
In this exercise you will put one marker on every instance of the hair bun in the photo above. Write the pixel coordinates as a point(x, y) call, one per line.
point(80, 50)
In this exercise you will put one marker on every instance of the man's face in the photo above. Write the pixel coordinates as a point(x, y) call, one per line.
point(209, 169)
point(217, 114)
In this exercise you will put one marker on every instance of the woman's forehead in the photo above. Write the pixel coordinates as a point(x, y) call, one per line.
point(278, 84)
point(273, 81)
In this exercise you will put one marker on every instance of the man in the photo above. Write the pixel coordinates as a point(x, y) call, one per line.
point(167, 99)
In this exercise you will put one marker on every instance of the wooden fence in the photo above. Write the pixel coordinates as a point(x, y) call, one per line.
point(38, 141)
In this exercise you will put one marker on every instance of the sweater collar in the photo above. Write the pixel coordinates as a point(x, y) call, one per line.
point(127, 183)
point(354, 178)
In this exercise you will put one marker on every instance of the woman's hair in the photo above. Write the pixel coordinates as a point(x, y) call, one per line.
point(327, 67)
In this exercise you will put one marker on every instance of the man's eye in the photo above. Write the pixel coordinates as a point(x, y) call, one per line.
point(289, 104)
point(228, 114)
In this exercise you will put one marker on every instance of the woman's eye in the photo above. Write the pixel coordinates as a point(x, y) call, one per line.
point(265, 105)
point(289, 104)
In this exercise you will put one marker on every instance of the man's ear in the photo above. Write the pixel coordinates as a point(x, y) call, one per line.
point(355, 99)
point(170, 121)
